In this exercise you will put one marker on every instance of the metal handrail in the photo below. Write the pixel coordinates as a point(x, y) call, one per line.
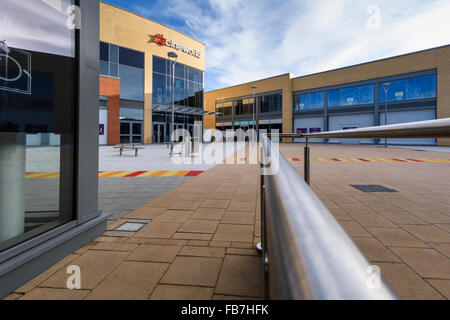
point(306, 253)
point(422, 129)
point(439, 128)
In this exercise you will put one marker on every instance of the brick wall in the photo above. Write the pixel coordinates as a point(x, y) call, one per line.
point(110, 87)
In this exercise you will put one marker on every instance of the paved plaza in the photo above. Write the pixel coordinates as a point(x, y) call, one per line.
point(199, 235)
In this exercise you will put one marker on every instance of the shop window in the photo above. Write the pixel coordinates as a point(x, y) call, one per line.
point(421, 88)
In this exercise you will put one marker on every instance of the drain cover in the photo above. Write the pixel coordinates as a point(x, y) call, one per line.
point(372, 188)
point(130, 227)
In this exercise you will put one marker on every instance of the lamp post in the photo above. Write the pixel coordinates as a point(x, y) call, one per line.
point(386, 90)
point(255, 124)
point(173, 57)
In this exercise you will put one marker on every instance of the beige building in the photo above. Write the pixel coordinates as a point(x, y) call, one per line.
point(344, 98)
point(136, 82)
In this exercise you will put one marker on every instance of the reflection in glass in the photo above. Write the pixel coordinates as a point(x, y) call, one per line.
point(37, 120)
point(132, 58)
point(131, 83)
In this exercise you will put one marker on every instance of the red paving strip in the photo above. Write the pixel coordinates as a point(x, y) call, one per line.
point(135, 174)
point(336, 159)
point(399, 160)
point(363, 160)
point(121, 174)
point(194, 173)
point(415, 160)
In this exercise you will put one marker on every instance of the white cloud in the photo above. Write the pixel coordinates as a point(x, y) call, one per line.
point(247, 40)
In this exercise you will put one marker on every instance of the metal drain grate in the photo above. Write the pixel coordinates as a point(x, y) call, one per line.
point(372, 188)
point(130, 227)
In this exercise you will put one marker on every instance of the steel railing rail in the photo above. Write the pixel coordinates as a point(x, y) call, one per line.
point(306, 253)
point(422, 129)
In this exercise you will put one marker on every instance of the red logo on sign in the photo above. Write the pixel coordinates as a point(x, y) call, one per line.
point(159, 38)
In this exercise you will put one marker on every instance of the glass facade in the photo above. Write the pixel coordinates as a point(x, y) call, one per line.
point(423, 87)
point(351, 96)
point(410, 89)
point(308, 101)
point(270, 103)
point(126, 64)
point(37, 121)
point(188, 84)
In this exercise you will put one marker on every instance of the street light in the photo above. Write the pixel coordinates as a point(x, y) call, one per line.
point(173, 57)
point(255, 124)
point(386, 90)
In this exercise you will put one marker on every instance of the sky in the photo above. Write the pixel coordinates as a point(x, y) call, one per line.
point(248, 40)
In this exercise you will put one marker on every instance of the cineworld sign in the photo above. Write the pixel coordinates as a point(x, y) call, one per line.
point(159, 39)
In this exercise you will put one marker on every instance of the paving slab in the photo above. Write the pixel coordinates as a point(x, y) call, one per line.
point(171, 292)
point(240, 276)
point(130, 281)
point(193, 271)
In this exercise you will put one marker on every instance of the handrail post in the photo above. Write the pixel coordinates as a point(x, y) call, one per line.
point(307, 163)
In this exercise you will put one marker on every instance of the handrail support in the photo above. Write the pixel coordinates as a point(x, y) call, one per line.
point(307, 163)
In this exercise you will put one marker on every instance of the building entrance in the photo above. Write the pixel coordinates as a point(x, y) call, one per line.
point(131, 131)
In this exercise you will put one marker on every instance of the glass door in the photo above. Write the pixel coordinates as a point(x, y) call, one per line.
point(131, 132)
point(158, 132)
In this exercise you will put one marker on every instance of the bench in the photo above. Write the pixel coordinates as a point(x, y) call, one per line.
point(131, 147)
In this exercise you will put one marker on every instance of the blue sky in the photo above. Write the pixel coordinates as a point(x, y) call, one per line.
point(252, 39)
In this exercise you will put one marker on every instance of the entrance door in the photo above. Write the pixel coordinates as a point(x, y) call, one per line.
point(130, 132)
point(159, 132)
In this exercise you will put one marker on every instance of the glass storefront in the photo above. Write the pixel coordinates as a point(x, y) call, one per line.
point(410, 89)
point(359, 95)
point(37, 119)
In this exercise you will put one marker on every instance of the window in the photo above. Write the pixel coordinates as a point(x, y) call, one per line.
point(104, 51)
point(421, 88)
point(366, 94)
point(179, 71)
point(179, 92)
point(315, 100)
point(351, 96)
point(194, 74)
point(159, 65)
point(131, 114)
point(37, 121)
point(104, 68)
point(300, 102)
point(131, 83)
point(410, 89)
point(114, 70)
point(188, 88)
point(333, 98)
point(131, 58)
point(160, 89)
point(113, 53)
point(238, 107)
point(309, 101)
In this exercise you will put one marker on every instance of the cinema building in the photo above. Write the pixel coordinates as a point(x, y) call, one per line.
point(341, 99)
point(136, 79)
